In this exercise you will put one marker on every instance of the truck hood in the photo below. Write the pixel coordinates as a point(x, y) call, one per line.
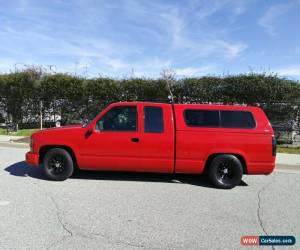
point(64, 127)
point(58, 130)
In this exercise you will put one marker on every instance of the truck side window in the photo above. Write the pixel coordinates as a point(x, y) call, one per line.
point(202, 118)
point(237, 119)
point(153, 119)
point(122, 118)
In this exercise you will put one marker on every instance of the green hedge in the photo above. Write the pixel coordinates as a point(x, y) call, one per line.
point(26, 94)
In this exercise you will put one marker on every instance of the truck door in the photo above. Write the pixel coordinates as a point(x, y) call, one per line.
point(114, 145)
point(156, 143)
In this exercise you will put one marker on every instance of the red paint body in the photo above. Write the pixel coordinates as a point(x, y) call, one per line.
point(179, 149)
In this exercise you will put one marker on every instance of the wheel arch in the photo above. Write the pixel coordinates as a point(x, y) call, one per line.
point(44, 149)
point(237, 155)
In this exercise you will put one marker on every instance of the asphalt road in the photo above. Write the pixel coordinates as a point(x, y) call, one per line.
point(97, 210)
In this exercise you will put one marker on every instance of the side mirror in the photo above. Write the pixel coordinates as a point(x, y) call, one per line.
point(88, 132)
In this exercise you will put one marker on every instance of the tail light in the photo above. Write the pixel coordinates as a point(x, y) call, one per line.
point(274, 146)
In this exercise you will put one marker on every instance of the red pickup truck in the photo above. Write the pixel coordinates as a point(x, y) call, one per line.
point(221, 140)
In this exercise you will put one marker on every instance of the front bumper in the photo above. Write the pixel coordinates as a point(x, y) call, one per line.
point(32, 159)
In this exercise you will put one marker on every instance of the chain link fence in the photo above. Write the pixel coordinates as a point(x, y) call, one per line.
point(284, 116)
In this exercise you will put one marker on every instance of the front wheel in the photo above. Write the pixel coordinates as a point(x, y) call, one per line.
point(225, 171)
point(58, 164)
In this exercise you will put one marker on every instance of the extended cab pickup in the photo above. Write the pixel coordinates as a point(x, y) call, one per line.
point(221, 140)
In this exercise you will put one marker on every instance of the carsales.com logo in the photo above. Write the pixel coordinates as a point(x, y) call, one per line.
point(268, 240)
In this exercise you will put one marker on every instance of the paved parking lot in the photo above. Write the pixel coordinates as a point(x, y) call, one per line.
point(97, 210)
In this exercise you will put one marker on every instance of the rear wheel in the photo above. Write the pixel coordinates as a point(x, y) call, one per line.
point(58, 164)
point(225, 171)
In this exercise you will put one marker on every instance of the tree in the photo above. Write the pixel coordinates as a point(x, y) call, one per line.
point(17, 91)
point(33, 94)
point(168, 76)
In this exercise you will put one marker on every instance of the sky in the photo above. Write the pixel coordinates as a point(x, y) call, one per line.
point(136, 38)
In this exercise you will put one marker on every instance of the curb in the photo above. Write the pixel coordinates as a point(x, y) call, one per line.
point(287, 168)
point(14, 145)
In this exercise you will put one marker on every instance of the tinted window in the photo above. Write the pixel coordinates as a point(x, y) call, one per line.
point(237, 119)
point(119, 119)
point(153, 119)
point(202, 118)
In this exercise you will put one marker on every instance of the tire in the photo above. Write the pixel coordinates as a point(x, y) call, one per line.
point(58, 164)
point(225, 171)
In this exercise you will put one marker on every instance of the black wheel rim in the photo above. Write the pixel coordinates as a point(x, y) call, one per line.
point(226, 173)
point(57, 165)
